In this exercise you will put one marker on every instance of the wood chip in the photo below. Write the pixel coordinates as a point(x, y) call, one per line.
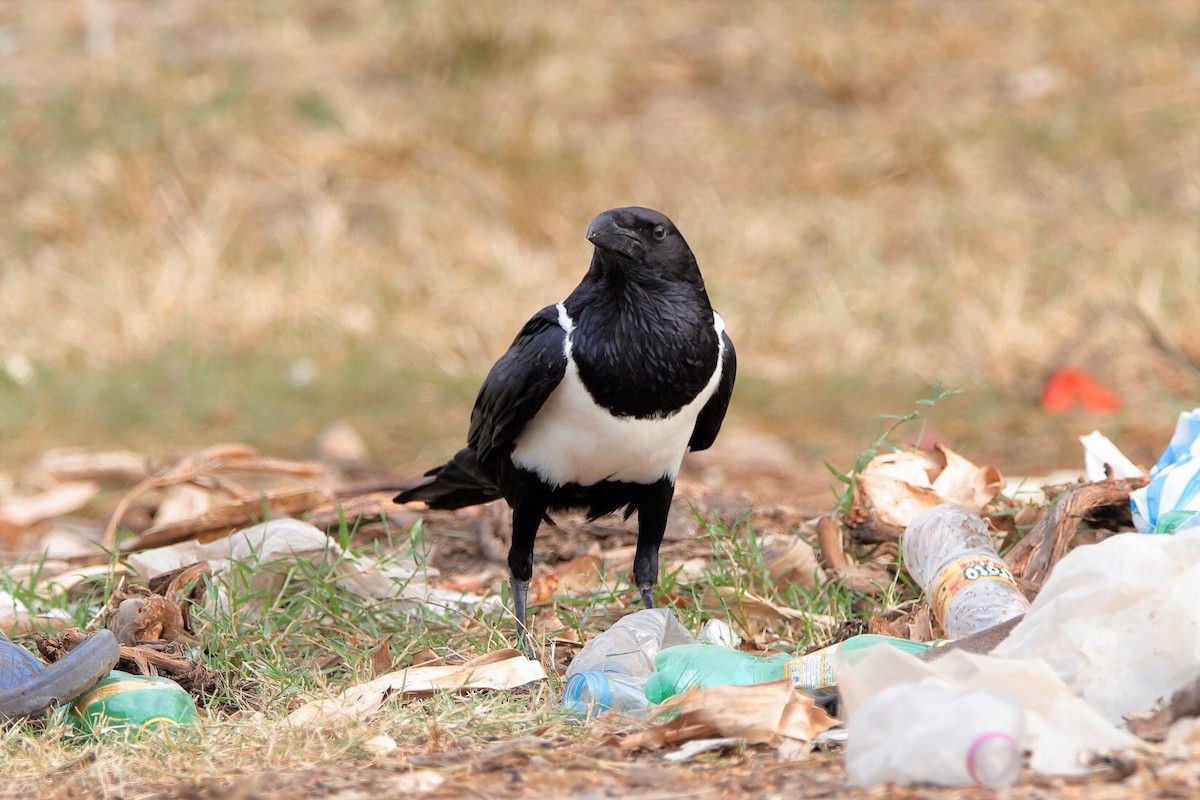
point(1032, 558)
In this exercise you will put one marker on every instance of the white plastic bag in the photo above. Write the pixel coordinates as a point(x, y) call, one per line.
point(1060, 729)
point(1118, 620)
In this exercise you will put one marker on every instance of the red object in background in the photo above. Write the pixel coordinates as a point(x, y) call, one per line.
point(1069, 389)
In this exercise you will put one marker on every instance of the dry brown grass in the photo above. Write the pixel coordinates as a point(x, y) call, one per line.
point(964, 192)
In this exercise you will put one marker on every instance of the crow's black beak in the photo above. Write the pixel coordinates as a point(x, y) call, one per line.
point(606, 233)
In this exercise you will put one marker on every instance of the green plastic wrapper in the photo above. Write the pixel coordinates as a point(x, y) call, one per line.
point(123, 701)
point(704, 665)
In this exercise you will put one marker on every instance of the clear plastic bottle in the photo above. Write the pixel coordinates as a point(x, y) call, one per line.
point(611, 670)
point(817, 670)
point(593, 692)
point(928, 732)
point(949, 552)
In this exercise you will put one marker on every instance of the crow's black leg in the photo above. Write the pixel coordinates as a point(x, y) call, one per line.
point(653, 507)
point(527, 516)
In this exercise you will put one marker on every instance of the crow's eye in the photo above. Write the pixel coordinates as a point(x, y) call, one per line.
point(660, 232)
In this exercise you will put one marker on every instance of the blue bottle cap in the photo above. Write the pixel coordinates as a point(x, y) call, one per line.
point(587, 693)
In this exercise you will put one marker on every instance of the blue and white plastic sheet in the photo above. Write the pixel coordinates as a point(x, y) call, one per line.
point(1171, 501)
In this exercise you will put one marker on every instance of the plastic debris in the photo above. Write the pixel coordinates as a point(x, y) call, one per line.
point(949, 553)
point(611, 670)
point(121, 701)
point(929, 732)
point(1061, 729)
point(1173, 493)
point(1118, 620)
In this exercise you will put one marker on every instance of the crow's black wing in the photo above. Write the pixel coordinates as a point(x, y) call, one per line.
point(708, 424)
point(519, 384)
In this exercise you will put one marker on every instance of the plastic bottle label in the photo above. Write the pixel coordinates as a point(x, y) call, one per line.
point(963, 572)
point(815, 670)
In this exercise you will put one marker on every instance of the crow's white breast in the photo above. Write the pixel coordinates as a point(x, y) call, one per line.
point(574, 440)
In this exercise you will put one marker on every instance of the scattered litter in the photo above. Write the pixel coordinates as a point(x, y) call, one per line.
point(1106, 640)
point(29, 688)
point(611, 670)
point(1102, 460)
point(818, 670)
point(1073, 389)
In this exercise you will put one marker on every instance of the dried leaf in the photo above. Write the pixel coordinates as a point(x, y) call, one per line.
point(381, 658)
point(207, 466)
point(504, 669)
point(753, 614)
point(149, 617)
point(579, 576)
point(183, 502)
point(794, 565)
point(24, 623)
point(21, 512)
point(869, 579)
point(121, 466)
point(765, 713)
point(896, 502)
point(895, 487)
point(961, 481)
point(1032, 558)
point(59, 583)
point(223, 518)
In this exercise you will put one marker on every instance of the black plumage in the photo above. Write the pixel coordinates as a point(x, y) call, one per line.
point(598, 398)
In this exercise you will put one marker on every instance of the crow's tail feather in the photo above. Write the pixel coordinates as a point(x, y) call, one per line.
point(456, 484)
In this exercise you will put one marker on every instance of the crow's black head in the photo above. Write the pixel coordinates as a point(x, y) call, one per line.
point(642, 243)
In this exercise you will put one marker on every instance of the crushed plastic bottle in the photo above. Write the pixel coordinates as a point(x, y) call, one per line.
point(928, 732)
point(123, 701)
point(611, 670)
point(817, 670)
point(705, 665)
point(949, 552)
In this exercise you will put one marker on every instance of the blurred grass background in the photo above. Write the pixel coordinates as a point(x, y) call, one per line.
point(246, 220)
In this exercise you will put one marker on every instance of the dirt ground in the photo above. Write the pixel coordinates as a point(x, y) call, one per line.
point(535, 768)
point(746, 473)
